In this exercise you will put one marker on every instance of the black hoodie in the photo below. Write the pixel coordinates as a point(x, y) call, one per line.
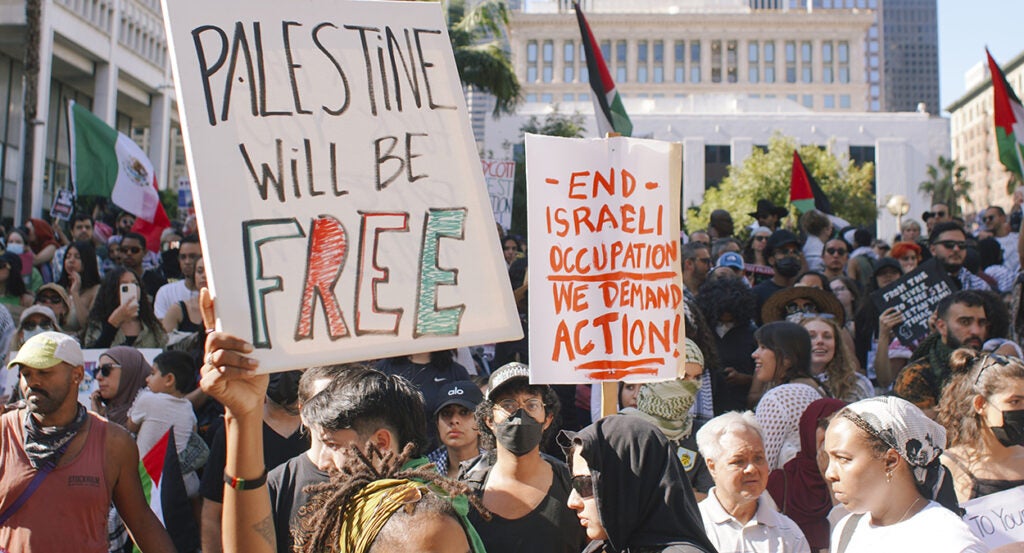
point(642, 493)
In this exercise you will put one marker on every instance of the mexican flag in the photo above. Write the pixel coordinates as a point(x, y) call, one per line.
point(804, 192)
point(107, 163)
point(611, 116)
point(1009, 120)
point(164, 489)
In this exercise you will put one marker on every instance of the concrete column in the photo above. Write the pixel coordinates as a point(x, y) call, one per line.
point(693, 172)
point(43, 115)
point(894, 175)
point(160, 135)
point(105, 101)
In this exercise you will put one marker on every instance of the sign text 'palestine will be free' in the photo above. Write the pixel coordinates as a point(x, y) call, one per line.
point(605, 284)
point(338, 189)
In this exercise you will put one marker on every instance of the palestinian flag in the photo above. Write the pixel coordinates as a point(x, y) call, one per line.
point(611, 116)
point(1009, 119)
point(164, 489)
point(804, 192)
point(107, 163)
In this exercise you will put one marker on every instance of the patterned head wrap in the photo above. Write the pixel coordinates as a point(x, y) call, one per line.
point(372, 507)
point(905, 428)
point(667, 404)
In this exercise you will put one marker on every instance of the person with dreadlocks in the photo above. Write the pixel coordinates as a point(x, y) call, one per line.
point(378, 501)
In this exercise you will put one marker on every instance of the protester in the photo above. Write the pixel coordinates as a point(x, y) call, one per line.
point(910, 231)
point(991, 263)
point(43, 244)
point(525, 491)
point(998, 226)
point(429, 372)
point(113, 321)
point(121, 374)
point(850, 296)
point(886, 271)
point(510, 249)
point(728, 306)
point(982, 412)
point(696, 260)
point(133, 254)
point(799, 488)
point(948, 244)
point(884, 468)
point(81, 231)
point(34, 320)
point(768, 214)
point(835, 257)
point(832, 361)
point(786, 259)
point(908, 254)
point(190, 252)
point(754, 256)
point(17, 245)
point(629, 492)
point(53, 441)
point(737, 515)
point(720, 224)
point(13, 294)
point(812, 279)
point(184, 317)
point(817, 228)
point(455, 421)
point(798, 301)
point(81, 278)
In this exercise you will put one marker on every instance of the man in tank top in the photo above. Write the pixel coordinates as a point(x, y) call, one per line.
point(61, 466)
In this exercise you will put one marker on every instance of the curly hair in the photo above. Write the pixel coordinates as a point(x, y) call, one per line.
point(698, 330)
point(726, 295)
point(841, 370)
point(973, 375)
point(321, 519)
point(485, 412)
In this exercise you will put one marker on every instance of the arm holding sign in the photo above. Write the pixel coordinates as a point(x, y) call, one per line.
point(227, 375)
point(885, 368)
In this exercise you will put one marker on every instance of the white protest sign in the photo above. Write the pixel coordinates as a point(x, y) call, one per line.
point(500, 176)
point(997, 519)
point(337, 186)
point(606, 290)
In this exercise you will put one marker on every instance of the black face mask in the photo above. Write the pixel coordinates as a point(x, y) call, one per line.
point(1011, 433)
point(519, 433)
point(787, 267)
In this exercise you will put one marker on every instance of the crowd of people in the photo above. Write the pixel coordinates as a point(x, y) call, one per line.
point(802, 419)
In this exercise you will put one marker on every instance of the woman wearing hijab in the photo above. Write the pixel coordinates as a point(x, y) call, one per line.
point(798, 488)
point(883, 465)
point(120, 373)
point(629, 491)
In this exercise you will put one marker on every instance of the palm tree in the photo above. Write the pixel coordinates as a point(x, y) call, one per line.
point(484, 63)
point(948, 184)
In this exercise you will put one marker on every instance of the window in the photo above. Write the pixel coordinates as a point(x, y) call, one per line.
point(606, 51)
point(679, 69)
point(807, 101)
point(806, 71)
point(568, 58)
point(716, 164)
point(753, 57)
point(620, 61)
point(548, 73)
point(641, 61)
point(584, 71)
point(659, 61)
point(716, 61)
point(830, 101)
point(827, 59)
point(531, 98)
point(568, 97)
point(531, 61)
point(790, 62)
point(731, 61)
point(694, 61)
point(546, 98)
point(769, 62)
point(844, 101)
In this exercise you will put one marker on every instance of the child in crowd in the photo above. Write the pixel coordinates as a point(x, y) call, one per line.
point(165, 407)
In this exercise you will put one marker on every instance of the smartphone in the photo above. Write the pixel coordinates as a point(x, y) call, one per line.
point(129, 293)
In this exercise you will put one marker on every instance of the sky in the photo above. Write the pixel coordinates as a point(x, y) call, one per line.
point(965, 28)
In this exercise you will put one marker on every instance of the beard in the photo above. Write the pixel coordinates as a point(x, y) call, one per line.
point(972, 342)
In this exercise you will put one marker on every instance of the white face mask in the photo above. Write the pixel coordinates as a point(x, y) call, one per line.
point(722, 328)
point(30, 333)
point(16, 249)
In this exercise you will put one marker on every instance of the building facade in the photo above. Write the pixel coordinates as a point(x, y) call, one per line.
point(972, 132)
point(108, 55)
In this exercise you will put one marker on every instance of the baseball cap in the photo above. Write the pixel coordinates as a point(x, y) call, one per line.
point(39, 310)
point(780, 238)
point(461, 392)
point(48, 349)
point(506, 373)
point(732, 260)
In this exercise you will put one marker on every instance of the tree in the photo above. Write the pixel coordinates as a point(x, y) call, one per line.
point(481, 54)
point(948, 184)
point(765, 175)
point(553, 124)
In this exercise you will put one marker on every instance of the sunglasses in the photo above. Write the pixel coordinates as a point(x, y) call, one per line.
point(953, 244)
point(988, 218)
point(835, 251)
point(131, 249)
point(939, 213)
point(989, 360)
point(106, 369)
point(52, 300)
point(45, 325)
point(583, 485)
point(760, 238)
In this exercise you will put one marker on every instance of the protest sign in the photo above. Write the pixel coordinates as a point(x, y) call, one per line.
point(915, 295)
point(997, 519)
point(605, 286)
point(500, 176)
point(63, 205)
point(337, 186)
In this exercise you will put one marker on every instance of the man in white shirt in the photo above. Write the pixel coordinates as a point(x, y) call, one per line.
point(189, 252)
point(998, 225)
point(738, 516)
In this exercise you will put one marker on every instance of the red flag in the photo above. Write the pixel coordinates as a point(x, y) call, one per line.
point(153, 230)
point(804, 192)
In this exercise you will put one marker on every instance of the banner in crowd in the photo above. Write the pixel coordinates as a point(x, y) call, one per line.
point(500, 176)
point(336, 182)
point(997, 519)
point(605, 285)
point(915, 295)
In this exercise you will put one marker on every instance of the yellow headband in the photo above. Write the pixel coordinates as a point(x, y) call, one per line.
point(371, 508)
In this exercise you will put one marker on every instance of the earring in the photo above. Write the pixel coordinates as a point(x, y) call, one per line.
point(888, 476)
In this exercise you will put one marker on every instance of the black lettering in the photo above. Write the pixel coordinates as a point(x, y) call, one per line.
point(205, 70)
point(239, 40)
point(268, 175)
point(337, 66)
point(292, 66)
point(424, 65)
point(257, 35)
point(369, 65)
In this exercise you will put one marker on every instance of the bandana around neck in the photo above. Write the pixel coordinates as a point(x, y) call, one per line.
point(45, 445)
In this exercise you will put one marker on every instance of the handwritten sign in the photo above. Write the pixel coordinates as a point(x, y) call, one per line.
point(605, 285)
point(915, 295)
point(63, 205)
point(337, 186)
point(997, 519)
point(500, 177)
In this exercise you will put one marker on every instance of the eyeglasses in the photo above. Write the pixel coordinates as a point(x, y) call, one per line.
point(131, 249)
point(794, 307)
point(52, 300)
point(952, 244)
point(989, 360)
point(534, 406)
point(45, 325)
point(106, 369)
point(835, 251)
point(583, 485)
point(939, 214)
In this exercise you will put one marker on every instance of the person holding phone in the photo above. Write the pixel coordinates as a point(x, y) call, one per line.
point(123, 315)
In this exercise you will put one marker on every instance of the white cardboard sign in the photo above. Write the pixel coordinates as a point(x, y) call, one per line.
point(500, 176)
point(605, 278)
point(337, 186)
point(997, 519)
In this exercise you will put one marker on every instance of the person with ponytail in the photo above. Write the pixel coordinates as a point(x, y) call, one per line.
point(982, 409)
